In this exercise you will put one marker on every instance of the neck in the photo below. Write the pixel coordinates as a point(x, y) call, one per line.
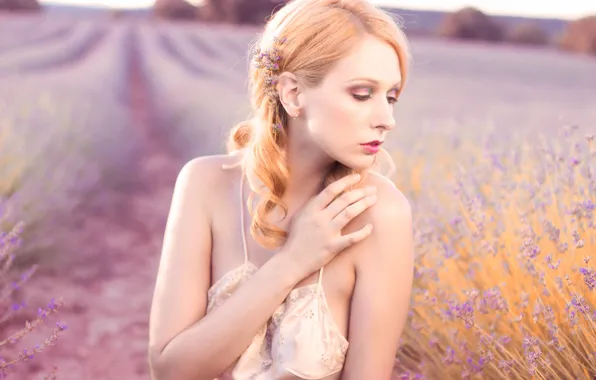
point(308, 166)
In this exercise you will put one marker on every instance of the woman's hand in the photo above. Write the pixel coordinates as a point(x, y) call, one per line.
point(315, 233)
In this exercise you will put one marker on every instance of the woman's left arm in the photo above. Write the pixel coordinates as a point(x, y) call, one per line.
point(381, 298)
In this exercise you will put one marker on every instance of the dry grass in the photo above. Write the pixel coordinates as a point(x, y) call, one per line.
point(504, 223)
point(504, 281)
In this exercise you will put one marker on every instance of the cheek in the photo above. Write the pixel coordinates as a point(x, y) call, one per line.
point(334, 120)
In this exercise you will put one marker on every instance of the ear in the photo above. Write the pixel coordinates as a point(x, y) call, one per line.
point(289, 92)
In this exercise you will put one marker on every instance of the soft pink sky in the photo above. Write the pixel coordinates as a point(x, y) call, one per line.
point(568, 9)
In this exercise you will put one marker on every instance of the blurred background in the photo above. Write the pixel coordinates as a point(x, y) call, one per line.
point(103, 101)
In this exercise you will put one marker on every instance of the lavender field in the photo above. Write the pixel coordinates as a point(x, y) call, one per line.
point(494, 148)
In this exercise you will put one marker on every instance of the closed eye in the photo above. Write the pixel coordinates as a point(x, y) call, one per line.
point(361, 98)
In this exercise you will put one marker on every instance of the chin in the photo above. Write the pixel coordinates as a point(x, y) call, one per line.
point(360, 162)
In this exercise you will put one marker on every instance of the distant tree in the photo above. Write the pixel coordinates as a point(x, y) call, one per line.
point(580, 36)
point(117, 14)
point(256, 11)
point(218, 11)
point(472, 24)
point(528, 33)
point(239, 11)
point(20, 5)
point(175, 9)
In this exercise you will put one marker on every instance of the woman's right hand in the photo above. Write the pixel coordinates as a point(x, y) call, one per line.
point(315, 232)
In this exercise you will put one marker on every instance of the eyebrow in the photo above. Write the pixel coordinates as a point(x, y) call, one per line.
point(397, 85)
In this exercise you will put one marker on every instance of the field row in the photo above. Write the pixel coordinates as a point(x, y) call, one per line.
point(496, 160)
point(65, 99)
point(66, 135)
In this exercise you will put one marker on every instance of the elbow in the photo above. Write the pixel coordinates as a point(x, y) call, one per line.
point(162, 368)
point(158, 366)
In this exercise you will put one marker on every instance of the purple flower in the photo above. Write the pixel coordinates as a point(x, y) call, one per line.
point(463, 311)
point(504, 340)
point(553, 232)
point(580, 304)
point(577, 240)
point(17, 306)
point(549, 262)
point(532, 353)
point(506, 365)
point(589, 277)
point(449, 357)
point(456, 220)
point(407, 375)
point(525, 299)
point(531, 250)
point(61, 326)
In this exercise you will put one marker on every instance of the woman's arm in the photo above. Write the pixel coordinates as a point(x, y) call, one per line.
point(184, 343)
point(384, 275)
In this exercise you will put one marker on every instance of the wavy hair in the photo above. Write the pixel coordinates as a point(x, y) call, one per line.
point(317, 33)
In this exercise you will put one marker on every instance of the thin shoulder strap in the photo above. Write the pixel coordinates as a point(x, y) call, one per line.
point(244, 246)
point(320, 282)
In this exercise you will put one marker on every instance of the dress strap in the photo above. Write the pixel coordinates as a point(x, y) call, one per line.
point(244, 246)
point(320, 282)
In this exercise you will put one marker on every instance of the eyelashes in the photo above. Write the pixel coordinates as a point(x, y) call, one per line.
point(361, 98)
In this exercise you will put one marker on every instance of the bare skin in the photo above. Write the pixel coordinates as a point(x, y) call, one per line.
point(368, 272)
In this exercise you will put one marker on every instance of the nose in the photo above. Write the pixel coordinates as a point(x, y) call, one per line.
point(385, 119)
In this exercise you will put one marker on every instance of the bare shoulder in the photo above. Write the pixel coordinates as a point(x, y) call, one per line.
point(206, 169)
point(384, 269)
point(205, 176)
point(183, 277)
point(392, 205)
point(391, 218)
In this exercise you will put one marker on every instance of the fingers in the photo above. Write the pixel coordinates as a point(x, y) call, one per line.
point(352, 211)
point(326, 196)
point(346, 241)
point(348, 199)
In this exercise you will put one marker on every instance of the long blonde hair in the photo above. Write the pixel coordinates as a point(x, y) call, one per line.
point(317, 34)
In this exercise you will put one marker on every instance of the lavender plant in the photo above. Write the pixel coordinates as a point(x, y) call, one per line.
point(66, 141)
point(9, 282)
point(198, 119)
point(504, 278)
point(15, 36)
point(54, 52)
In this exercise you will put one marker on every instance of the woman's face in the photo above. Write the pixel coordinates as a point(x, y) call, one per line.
point(354, 104)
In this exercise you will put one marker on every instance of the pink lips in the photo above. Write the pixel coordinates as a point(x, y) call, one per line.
point(372, 146)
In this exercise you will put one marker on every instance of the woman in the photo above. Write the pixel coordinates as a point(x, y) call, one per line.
point(291, 257)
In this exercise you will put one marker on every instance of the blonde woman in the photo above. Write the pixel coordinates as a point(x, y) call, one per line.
point(291, 257)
